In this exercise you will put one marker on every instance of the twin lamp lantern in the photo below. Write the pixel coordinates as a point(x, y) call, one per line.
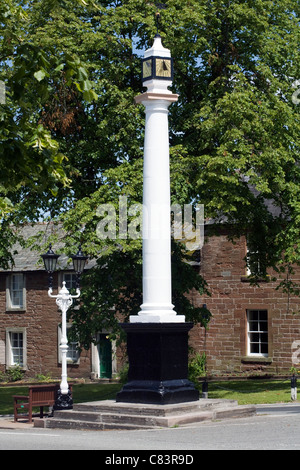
point(50, 261)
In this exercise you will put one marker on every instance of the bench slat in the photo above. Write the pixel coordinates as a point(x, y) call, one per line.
point(39, 395)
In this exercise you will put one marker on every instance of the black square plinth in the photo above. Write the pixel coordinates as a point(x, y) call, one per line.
point(158, 364)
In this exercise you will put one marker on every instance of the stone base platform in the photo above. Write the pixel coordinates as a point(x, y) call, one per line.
point(109, 414)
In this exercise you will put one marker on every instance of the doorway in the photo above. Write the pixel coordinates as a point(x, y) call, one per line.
point(105, 357)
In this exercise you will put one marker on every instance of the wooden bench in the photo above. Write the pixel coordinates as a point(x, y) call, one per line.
point(39, 395)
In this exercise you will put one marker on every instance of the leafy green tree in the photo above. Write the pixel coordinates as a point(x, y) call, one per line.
point(112, 289)
point(32, 163)
point(234, 132)
point(235, 129)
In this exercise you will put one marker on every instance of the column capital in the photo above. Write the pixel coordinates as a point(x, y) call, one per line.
point(150, 96)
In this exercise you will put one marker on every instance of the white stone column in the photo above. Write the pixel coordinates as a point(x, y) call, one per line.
point(157, 285)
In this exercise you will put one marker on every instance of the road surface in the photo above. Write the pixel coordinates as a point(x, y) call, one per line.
point(275, 427)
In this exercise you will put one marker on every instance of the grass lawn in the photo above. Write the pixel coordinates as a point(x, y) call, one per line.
point(81, 393)
point(252, 391)
point(245, 392)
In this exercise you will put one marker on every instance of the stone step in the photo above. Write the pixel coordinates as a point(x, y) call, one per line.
point(109, 418)
point(135, 420)
point(53, 423)
point(137, 416)
point(110, 422)
point(153, 410)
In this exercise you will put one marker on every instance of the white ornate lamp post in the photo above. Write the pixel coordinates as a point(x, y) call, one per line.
point(64, 301)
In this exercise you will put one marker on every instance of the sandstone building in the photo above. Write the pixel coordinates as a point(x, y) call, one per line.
point(253, 330)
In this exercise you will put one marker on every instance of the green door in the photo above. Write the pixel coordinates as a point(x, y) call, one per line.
point(105, 354)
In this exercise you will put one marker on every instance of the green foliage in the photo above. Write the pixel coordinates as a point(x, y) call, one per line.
point(123, 374)
point(234, 133)
point(31, 159)
point(44, 377)
point(15, 373)
point(197, 368)
point(32, 164)
point(114, 285)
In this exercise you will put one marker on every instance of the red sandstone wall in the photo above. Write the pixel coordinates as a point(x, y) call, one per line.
point(223, 267)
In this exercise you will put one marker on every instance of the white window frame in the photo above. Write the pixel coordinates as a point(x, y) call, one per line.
point(70, 360)
point(9, 347)
point(10, 306)
point(63, 277)
point(259, 330)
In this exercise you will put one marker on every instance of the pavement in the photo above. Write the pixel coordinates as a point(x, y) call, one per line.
point(7, 422)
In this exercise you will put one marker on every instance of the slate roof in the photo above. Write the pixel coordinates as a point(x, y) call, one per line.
point(27, 259)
